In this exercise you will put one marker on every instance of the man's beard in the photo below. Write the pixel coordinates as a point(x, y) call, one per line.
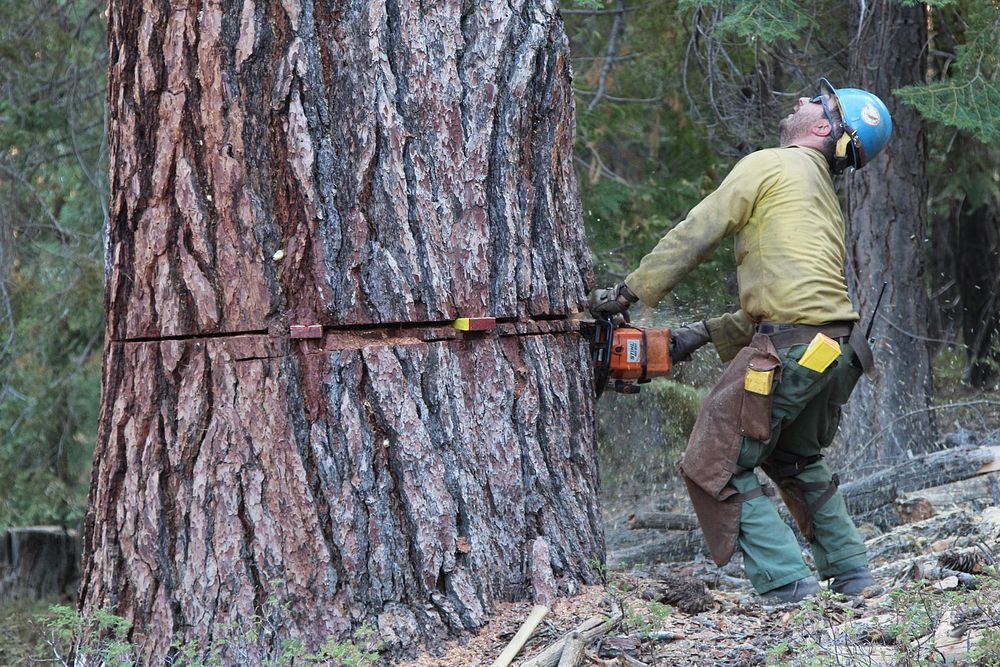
point(786, 130)
point(791, 128)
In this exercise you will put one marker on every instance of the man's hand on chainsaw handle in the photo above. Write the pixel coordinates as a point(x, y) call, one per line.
point(687, 339)
point(606, 303)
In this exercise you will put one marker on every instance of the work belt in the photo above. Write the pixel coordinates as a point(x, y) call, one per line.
point(786, 335)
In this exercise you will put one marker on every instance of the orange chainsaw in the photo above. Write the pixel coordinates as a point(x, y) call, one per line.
point(628, 355)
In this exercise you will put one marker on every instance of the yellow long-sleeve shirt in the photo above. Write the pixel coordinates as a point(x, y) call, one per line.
point(780, 205)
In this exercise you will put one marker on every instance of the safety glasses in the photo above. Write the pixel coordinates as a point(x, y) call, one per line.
point(821, 99)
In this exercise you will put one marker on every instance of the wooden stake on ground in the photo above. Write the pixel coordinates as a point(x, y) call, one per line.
point(589, 630)
point(522, 636)
point(632, 662)
point(572, 651)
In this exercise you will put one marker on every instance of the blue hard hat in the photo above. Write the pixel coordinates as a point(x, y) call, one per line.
point(865, 122)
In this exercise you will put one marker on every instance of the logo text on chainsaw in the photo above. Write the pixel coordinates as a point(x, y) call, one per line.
point(633, 352)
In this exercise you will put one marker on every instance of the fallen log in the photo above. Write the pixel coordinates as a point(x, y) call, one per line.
point(589, 630)
point(984, 488)
point(659, 547)
point(921, 472)
point(959, 526)
point(573, 651)
point(932, 572)
point(522, 636)
point(661, 520)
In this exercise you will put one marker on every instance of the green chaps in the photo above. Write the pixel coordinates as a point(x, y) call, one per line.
point(805, 414)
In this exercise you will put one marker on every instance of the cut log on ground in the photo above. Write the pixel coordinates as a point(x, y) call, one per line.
point(921, 472)
point(590, 630)
point(659, 547)
point(922, 571)
point(957, 526)
point(984, 489)
point(39, 562)
point(661, 521)
point(521, 638)
point(573, 650)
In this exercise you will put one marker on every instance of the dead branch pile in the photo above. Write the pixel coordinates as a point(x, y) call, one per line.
point(915, 490)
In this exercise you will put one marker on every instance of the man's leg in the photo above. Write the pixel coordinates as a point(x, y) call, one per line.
point(771, 554)
point(796, 463)
point(835, 542)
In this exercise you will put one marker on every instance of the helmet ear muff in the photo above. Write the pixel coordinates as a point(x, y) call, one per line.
point(841, 158)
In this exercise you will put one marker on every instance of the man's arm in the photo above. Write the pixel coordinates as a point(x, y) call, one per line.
point(730, 333)
point(693, 240)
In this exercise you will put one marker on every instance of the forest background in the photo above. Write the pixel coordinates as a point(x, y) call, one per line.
point(669, 94)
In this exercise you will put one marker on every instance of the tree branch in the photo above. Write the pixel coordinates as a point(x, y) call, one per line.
point(612, 98)
point(617, 10)
point(933, 408)
point(616, 29)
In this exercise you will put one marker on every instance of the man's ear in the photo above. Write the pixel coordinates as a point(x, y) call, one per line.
point(822, 128)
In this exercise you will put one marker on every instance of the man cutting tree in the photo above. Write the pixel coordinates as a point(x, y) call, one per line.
point(796, 347)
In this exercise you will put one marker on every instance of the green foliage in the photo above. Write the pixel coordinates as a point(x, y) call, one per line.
point(767, 20)
point(24, 639)
point(777, 652)
point(52, 191)
point(987, 652)
point(967, 96)
point(350, 653)
point(642, 162)
point(100, 639)
point(104, 639)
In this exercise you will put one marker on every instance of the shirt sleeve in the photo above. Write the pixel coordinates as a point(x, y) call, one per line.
point(693, 240)
point(730, 333)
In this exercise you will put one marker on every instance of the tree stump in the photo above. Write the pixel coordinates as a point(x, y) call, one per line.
point(38, 562)
point(303, 197)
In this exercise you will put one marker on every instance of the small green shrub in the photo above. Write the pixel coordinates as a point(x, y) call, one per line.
point(102, 639)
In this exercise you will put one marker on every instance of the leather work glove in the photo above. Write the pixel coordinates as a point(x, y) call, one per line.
point(687, 339)
point(606, 303)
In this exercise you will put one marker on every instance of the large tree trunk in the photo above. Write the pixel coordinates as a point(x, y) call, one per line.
point(376, 168)
point(966, 278)
point(978, 276)
point(887, 213)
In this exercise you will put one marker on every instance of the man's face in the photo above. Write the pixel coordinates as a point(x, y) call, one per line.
point(804, 117)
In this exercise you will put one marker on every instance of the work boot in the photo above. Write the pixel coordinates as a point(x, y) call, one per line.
point(853, 582)
point(793, 592)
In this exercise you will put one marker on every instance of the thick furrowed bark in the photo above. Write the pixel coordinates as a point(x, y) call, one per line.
point(410, 500)
point(406, 163)
point(378, 168)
